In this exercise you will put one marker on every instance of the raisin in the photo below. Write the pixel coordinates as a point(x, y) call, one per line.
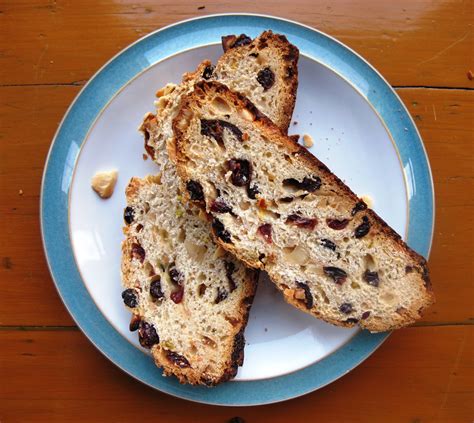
point(372, 278)
point(231, 41)
point(215, 129)
point(221, 295)
point(266, 78)
point(208, 71)
point(266, 231)
point(351, 320)
point(337, 224)
point(326, 243)
point(155, 290)
point(286, 199)
point(365, 315)
point(139, 227)
point(220, 231)
point(177, 296)
point(358, 207)
point(129, 297)
point(301, 222)
point(229, 270)
point(138, 252)
point(176, 276)
point(202, 289)
point(345, 308)
point(134, 323)
point(408, 269)
point(363, 229)
point(309, 183)
point(220, 206)
point(195, 190)
point(338, 275)
point(307, 294)
point(128, 215)
point(177, 359)
point(253, 54)
point(147, 335)
point(252, 191)
point(241, 170)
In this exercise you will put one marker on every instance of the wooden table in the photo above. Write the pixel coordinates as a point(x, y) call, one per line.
point(50, 372)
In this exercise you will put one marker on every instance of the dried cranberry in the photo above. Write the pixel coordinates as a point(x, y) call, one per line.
point(134, 323)
point(365, 315)
point(309, 183)
point(147, 335)
point(338, 275)
point(177, 296)
point(252, 191)
point(176, 276)
point(215, 129)
point(129, 297)
point(155, 290)
point(177, 359)
point(345, 308)
point(363, 229)
point(128, 215)
point(358, 207)
point(221, 295)
point(220, 231)
point(308, 298)
point(138, 252)
point(301, 222)
point(266, 231)
point(326, 243)
point(195, 190)
point(241, 170)
point(229, 271)
point(220, 206)
point(372, 278)
point(337, 224)
point(208, 71)
point(266, 78)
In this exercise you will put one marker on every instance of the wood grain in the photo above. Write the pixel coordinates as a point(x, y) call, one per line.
point(444, 118)
point(418, 375)
point(415, 43)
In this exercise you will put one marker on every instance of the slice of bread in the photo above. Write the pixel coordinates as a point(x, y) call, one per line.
point(265, 70)
point(276, 207)
point(189, 298)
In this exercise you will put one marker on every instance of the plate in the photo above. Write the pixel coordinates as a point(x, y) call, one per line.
point(361, 130)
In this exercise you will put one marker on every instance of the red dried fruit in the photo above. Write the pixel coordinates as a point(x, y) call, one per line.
point(195, 190)
point(177, 296)
point(177, 359)
point(220, 206)
point(265, 231)
point(129, 297)
point(266, 78)
point(307, 294)
point(302, 222)
point(345, 308)
point(363, 229)
point(241, 170)
point(337, 224)
point(365, 315)
point(372, 278)
point(138, 252)
point(338, 275)
point(147, 335)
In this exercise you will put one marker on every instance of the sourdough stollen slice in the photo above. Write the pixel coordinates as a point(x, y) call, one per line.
point(276, 207)
point(189, 298)
point(264, 69)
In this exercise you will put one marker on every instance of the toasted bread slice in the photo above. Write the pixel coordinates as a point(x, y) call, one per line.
point(277, 208)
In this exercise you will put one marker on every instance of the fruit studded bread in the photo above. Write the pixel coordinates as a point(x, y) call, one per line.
point(265, 70)
point(276, 207)
point(189, 298)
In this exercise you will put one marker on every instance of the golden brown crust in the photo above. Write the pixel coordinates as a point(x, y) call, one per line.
point(301, 154)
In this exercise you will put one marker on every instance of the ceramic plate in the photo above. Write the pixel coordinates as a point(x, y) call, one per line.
point(361, 130)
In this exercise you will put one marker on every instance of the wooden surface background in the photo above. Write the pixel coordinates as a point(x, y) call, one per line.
point(49, 372)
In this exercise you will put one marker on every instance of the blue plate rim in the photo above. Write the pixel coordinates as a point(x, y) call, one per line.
point(364, 344)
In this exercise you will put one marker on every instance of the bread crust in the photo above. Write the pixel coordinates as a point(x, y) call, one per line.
point(303, 156)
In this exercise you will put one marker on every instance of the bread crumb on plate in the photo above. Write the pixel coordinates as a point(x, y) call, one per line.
point(103, 183)
point(307, 141)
